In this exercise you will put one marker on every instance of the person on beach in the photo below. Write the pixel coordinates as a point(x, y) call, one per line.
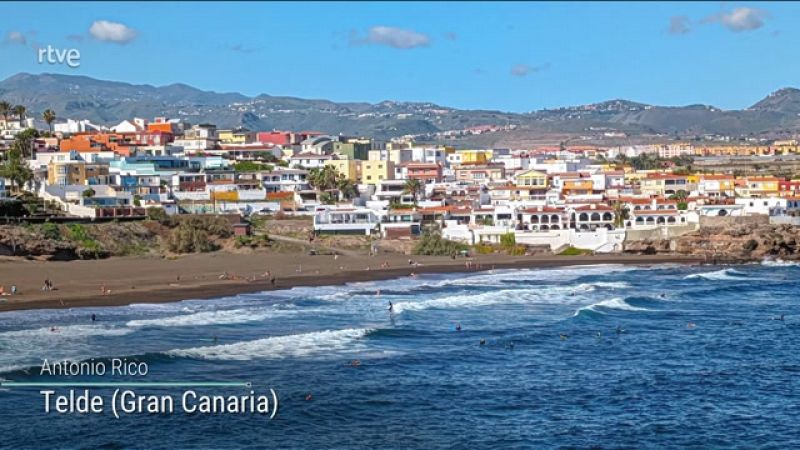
point(13, 289)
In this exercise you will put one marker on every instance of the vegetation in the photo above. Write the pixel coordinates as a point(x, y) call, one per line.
point(197, 234)
point(251, 166)
point(51, 231)
point(433, 244)
point(88, 193)
point(574, 251)
point(508, 240)
point(49, 116)
point(413, 187)
point(329, 179)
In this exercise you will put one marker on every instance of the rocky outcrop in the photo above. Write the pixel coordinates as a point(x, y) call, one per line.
point(54, 242)
point(746, 241)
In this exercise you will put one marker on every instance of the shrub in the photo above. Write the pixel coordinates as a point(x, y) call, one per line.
point(484, 249)
point(433, 244)
point(574, 251)
point(508, 240)
point(750, 245)
point(188, 239)
point(518, 250)
point(159, 215)
point(51, 231)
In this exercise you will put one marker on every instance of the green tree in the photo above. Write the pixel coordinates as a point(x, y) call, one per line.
point(5, 109)
point(88, 193)
point(413, 187)
point(16, 171)
point(19, 111)
point(49, 116)
point(621, 214)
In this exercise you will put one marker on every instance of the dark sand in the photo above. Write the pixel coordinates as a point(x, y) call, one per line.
point(154, 280)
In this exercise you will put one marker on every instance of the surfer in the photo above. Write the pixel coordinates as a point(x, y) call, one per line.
point(94, 318)
point(483, 342)
point(619, 329)
point(391, 307)
point(355, 363)
point(308, 397)
point(458, 327)
point(563, 336)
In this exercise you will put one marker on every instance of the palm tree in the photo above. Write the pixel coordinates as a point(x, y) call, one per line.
point(19, 111)
point(49, 116)
point(5, 108)
point(413, 187)
point(621, 214)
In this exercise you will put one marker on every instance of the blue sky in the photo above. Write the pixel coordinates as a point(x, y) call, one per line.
point(507, 56)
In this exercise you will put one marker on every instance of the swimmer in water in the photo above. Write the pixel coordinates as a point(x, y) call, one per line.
point(690, 325)
point(308, 397)
point(511, 345)
point(599, 336)
point(483, 342)
point(619, 329)
point(355, 363)
point(458, 327)
point(563, 336)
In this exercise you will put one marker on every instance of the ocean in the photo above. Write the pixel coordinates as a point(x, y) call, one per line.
point(606, 356)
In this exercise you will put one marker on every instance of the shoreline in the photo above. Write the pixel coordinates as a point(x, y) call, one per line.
point(84, 295)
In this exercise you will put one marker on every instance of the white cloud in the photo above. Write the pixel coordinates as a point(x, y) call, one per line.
point(678, 25)
point(523, 70)
point(393, 37)
point(103, 30)
point(16, 37)
point(740, 19)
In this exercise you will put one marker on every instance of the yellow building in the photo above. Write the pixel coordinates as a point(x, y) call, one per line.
point(373, 172)
point(236, 137)
point(532, 178)
point(758, 187)
point(61, 173)
point(664, 184)
point(475, 156)
point(350, 168)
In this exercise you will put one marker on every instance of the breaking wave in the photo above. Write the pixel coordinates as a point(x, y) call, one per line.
point(719, 275)
point(276, 347)
point(221, 317)
point(779, 263)
point(616, 303)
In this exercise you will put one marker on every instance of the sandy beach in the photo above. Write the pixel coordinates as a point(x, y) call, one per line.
point(197, 276)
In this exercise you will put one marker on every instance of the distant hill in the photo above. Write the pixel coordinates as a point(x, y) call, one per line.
point(108, 102)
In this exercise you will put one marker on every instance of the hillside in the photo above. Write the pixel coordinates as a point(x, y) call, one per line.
point(108, 102)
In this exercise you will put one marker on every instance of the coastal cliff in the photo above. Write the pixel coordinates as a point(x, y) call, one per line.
point(731, 242)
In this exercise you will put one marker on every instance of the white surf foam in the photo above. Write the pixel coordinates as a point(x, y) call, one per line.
point(617, 303)
point(295, 345)
point(779, 263)
point(719, 275)
point(221, 317)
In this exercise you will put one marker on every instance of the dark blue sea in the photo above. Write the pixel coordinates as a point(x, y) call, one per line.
point(606, 356)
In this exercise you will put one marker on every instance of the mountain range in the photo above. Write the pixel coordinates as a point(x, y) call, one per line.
point(108, 102)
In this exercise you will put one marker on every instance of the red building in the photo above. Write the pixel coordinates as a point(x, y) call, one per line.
point(424, 172)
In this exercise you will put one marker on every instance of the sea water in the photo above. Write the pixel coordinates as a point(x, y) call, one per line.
point(606, 356)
